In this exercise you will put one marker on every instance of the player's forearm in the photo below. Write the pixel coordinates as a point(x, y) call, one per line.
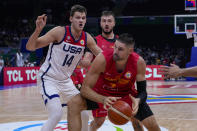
point(96, 51)
point(142, 93)
point(31, 44)
point(86, 61)
point(190, 72)
point(88, 56)
point(90, 94)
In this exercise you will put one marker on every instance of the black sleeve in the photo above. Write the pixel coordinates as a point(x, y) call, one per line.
point(142, 93)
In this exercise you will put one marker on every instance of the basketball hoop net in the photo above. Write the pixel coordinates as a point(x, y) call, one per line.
point(195, 40)
point(189, 34)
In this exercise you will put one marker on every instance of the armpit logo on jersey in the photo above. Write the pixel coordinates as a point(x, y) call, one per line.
point(68, 40)
point(72, 49)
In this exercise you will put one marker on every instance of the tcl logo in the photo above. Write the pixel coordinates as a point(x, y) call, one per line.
point(20, 75)
point(152, 73)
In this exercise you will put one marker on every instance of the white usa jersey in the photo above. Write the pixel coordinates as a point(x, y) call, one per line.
point(62, 58)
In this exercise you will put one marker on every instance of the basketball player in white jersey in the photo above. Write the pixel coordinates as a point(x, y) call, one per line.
point(66, 47)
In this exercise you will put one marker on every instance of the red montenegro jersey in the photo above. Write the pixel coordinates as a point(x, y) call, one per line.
point(112, 83)
point(104, 43)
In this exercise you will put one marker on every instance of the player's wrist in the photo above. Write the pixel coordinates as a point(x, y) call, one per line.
point(138, 100)
point(104, 99)
point(38, 31)
point(181, 72)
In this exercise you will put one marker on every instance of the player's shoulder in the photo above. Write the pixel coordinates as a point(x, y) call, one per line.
point(88, 35)
point(141, 61)
point(57, 30)
point(98, 36)
point(99, 60)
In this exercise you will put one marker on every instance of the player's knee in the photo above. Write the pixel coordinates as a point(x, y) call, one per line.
point(153, 127)
point(137, 125)
point(56, 116)
point(85, 115)
point(76, 103)
point(98, 122)
point(151, 124)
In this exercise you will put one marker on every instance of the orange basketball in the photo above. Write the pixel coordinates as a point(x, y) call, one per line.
point(120, 112)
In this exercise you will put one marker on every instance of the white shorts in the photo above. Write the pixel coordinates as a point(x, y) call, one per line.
point(50, 88)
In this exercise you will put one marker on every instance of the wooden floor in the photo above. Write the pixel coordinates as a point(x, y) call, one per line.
point(173, 103)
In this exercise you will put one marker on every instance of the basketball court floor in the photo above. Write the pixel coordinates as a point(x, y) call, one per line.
point(174, 104)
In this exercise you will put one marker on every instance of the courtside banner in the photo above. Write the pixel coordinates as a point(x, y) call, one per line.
point(19, 75)
point(26, 75)
point(153, 73)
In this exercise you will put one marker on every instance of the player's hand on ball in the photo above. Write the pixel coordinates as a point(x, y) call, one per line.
point(108, 101)
point(41, 22)
point(135, 104)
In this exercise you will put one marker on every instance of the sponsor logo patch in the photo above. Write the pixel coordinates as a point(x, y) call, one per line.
point(82, 42)
point(128, 75)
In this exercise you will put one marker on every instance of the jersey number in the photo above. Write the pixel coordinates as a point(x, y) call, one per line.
point(68, 60)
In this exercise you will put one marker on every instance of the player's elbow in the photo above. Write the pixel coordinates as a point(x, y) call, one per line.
point(30, 46)
point(82, 91)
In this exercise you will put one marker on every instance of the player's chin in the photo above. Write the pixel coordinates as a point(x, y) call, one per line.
point(115, 58)
point(107, 31)
point(81, 27)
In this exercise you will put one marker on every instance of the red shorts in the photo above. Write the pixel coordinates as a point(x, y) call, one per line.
point(101, 112)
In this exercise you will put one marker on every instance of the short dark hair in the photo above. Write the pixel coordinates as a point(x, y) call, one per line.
point(126, 39)
point(107, 13)
point(77, 8)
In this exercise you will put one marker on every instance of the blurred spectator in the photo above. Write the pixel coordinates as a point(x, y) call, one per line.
point(1, 71)
point(159, 56)
point(1, 63)
point(19, 59)
point(29, 64)
point(177, 61)
point(7, 62)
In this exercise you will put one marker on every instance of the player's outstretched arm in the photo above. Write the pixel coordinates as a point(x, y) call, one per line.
point(91, 44)
point(174, 71)
point(53, 35)
point(190, 72)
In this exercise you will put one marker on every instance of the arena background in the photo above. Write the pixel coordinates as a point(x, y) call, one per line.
point(150, 21)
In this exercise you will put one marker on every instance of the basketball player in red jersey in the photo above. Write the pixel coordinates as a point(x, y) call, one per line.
point(111, 77)
point(106, 42)
point(66, 48)
point(107, 38)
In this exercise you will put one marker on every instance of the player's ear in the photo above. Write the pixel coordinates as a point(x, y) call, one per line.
point(71, 19)
point(131, 49)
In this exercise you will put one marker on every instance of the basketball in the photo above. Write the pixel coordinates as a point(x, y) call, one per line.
point(119, 113)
